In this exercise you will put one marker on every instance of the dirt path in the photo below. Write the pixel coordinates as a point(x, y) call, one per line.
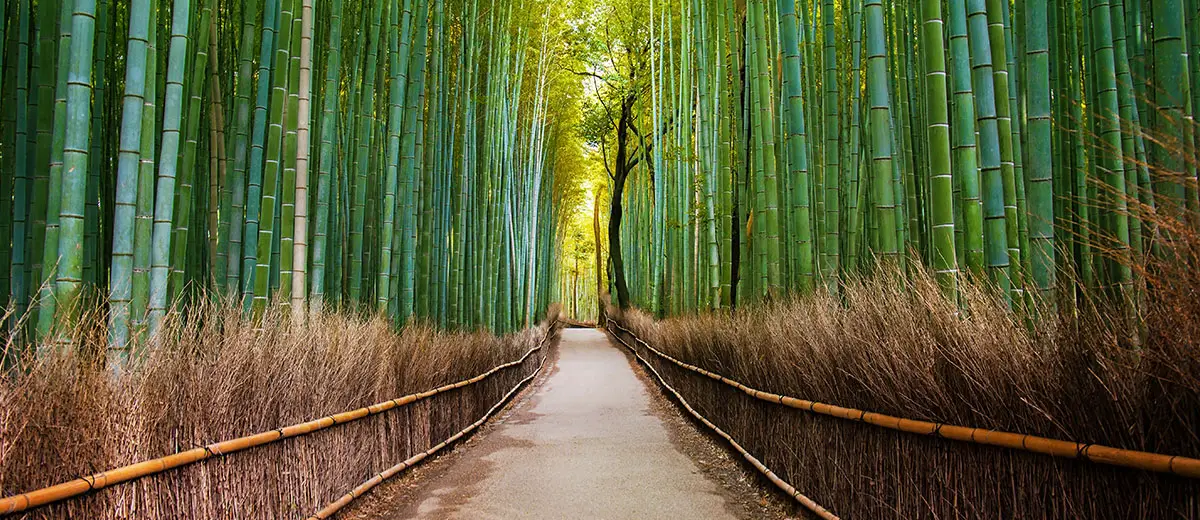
point(591, 442)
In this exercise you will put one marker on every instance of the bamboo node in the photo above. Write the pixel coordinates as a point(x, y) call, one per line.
point(1081, 451)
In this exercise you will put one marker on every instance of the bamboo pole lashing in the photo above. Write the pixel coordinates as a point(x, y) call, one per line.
point(1146, 461)
point(58, 492)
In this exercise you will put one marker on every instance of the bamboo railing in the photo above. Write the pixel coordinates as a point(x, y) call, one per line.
point(360, 490)
point(1155, 462)
point(82, 485)
point(775, 479)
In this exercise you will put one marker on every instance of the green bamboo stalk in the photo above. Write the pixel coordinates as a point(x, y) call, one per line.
point(965, 152)
point(881, 132)
point(268, 210)
point(366, 119)
point(831, 267)
point(241, 147)
point(50, 252)
point(282, 259)
point(797, 148)
point(854, 210)
point(709, 165)
point(186, 181)
point(1040, 151)
point(329, 118)
point(996, 247)
point(1004, 123)
point(409, 155)
point(220, 191)
point(144, 204)
point(771, 237)
point(19, 285)
point(1116, 223)
point(945, 262)
point(254, 190)
point(164, 200)
point(132, 114)
point(398, 38)
point(98, 156)
point(1170, 66)
point(300, 251)
point(220, 194)
point(8, 124)
point(45, 60)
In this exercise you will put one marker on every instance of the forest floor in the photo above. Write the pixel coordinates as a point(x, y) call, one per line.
point(592, 439)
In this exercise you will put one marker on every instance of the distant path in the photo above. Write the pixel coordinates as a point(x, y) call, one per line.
point(587, 444)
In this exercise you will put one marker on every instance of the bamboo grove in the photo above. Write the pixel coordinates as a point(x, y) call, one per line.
point(1037, 146)
point(388, 156)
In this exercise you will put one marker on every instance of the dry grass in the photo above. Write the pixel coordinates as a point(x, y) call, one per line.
point(894, 345)
point(222, 377)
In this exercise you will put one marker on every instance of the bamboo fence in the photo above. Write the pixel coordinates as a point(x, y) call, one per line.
point(1155, 462)
point(82, 485)
point(360, 490)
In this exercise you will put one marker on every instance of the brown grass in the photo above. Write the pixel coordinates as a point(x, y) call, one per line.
point(895, 345)
point(222, 377)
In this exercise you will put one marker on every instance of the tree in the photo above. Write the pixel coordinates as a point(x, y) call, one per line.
point(619, 80)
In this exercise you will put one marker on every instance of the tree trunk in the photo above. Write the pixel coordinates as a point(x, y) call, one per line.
point(614, 212)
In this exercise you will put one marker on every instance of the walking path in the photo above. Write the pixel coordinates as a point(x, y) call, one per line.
point(586, 445)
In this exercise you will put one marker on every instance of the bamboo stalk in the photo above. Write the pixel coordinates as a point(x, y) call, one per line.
point(300, 244)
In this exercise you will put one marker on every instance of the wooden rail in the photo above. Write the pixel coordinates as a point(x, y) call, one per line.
point(79, 486)
point(1155, 462)
point(791, 490)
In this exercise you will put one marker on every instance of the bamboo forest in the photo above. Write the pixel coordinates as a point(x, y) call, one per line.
point(698, 258)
